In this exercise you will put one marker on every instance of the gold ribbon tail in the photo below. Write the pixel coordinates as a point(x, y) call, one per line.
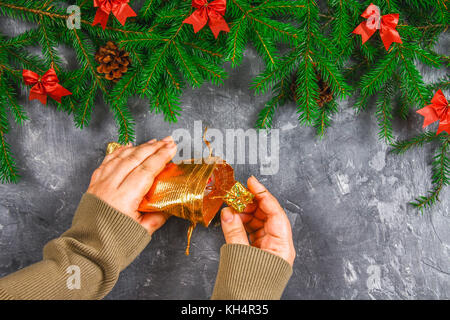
point(189, 235)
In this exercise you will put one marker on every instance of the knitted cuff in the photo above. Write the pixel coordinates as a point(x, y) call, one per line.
point(249, 273)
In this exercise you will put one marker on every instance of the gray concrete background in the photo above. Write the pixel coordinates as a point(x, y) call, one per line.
point(346, 197)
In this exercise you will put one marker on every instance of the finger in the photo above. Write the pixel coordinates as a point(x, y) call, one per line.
point(116, 152)
point(232, 227)
point(257, 242)
point(141, 178)
point(266, 201)
point(254, 224)
point(251, 207)
point(120, 167)
point(254, 236)
point(246, 217)
point(139, 151)
point(153, 221)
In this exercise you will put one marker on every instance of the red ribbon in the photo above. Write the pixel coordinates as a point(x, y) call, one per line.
point(119, 8)
point(438, 110)
point(47, 85)
point(208, 12)
point(386, 24)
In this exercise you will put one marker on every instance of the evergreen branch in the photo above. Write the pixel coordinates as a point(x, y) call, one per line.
point(83, 113)
point(216, 54)
point(323, 121)
point(124, 121)
point(53, 15)
point(412, 79)
point(271, 75)
point(443, 84)
point(192, 73)
point(384, 113)
point(405, 104)
point(400, 147)
point(277, 8)
point(307, 92)
point(332, 76)
point(88, 61)
point(427, 57)
point(20, 116)
point(441, 177)
point(154, 66)
point(266, 52)
point(265, 116)
point(372, 81)
point(25, 39)
point(47, 48)
point(26, 61)
point(236, 44)
point(8, 169)
point(176, 83)
point(148, 8)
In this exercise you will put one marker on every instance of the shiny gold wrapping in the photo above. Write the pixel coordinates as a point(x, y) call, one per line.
point(112, 146)
point(180, 190)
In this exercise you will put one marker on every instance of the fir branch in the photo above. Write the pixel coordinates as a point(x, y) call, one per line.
point(412, 81)
point(265, 116)
point(384, 113)
point(20, 9)
point(286, 65)
point(324, 119)
point(83, 112)
point(251, 24)
point(440, 177)
point(373, 81)
point(8, 169)
point(400, 147)
point(47, 43)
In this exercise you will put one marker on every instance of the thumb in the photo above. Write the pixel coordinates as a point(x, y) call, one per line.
point(153, 221)
point(233, 228)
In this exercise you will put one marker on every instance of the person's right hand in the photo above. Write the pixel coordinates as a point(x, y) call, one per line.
point(266, 222)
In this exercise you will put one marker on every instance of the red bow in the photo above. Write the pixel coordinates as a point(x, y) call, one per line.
point(119, 8)
point(386, 24)
point(47, 85)
point(213, 12)
point(437, 110)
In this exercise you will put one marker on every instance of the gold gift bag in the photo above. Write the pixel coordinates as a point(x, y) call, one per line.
point(194, 190)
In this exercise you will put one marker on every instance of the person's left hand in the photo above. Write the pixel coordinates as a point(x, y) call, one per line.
point(127, 174)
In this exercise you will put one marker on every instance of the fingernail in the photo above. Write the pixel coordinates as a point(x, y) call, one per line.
point(227, 215)
point(151, 141)
point(167, 139)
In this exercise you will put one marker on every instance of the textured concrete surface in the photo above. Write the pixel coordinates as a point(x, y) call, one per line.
point(346, 196)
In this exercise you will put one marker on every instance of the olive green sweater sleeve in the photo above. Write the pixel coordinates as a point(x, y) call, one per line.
point(100, 243)
point(249, 273)
point(103, 241)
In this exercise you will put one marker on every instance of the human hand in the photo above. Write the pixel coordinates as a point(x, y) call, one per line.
point(265, 221)
point(127, 174)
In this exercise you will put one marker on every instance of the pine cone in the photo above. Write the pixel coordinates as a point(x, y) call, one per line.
point(325, 93)
point(113, 61)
